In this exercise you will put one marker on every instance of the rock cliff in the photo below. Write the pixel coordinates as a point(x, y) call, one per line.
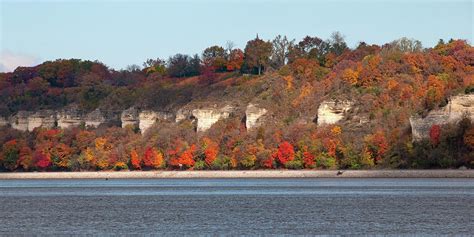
point(457, 107)
point(70, 117)
point(206, 117)
point(44, 119)
point(129, 117)
point(332, 111)
point(148, 118)
point(253, 115)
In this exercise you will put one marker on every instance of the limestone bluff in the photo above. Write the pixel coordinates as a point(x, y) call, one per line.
point(328, 112)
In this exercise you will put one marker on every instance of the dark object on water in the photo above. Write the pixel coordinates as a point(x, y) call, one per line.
point(106, 178)
point(339, 173)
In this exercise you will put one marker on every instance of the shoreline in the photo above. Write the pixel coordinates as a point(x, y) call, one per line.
point(243, 174)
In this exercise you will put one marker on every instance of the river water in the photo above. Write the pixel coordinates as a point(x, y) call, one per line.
point(237, 206)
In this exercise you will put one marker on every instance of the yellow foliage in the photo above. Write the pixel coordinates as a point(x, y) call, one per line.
point(336, 130)
point(289, 82)
point(350, 76)
point(305, 92)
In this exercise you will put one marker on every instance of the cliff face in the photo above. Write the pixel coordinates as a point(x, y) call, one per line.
point(95, 118)
point(253, 116)
point(45, 119)
point(332, 111)
point(329, 112)
point(129, 117)
point(70, 117)
point(148, 118)
point(458, 107)
point(208, 116)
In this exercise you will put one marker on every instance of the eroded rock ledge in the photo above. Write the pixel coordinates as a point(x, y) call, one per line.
point(458, 107)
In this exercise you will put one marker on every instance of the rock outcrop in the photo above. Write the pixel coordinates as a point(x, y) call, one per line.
point(129, 117)
point(332, 111)
point(148, 118)
point(43, 118)
point(19, 121)
point(95, 118)
point(208, 116)
point(3, 122)
point(253, 116)
point(457, 107)
point(70, 117)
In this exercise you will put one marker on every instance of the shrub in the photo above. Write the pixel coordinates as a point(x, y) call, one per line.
point(199, 165)
point(294, 164)
point(120, 166)
point(326, 161)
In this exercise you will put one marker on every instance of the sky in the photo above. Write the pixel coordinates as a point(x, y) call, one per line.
point(120, 33)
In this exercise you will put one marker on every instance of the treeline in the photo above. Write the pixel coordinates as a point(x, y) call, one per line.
point(388, 84)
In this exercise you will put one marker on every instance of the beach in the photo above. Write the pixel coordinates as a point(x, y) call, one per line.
point(241, 174)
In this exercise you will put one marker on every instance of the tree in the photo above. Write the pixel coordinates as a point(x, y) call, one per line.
point(10, 154)
point(235, 61)
point(153, 158)
point(215, 58)
point(135, 160)
point(309, 48)
point(257, 54)
point(285, 153)
point(155, 66)
point(181, 65)
point(211, 149)
point(406, 45)
point(337, 43)
point(280, 50)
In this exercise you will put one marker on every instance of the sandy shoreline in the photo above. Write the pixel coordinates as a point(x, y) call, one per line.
point(242, 174)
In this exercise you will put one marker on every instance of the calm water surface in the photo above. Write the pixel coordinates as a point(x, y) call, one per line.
point(237, 206)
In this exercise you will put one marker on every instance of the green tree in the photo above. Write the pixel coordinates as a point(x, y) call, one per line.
point(257, 54)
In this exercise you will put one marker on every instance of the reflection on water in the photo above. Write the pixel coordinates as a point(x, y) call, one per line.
point(237, 206)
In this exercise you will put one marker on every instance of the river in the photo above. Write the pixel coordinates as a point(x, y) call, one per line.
point(237, 206)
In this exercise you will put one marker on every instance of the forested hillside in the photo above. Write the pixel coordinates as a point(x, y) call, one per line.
point(380, 86)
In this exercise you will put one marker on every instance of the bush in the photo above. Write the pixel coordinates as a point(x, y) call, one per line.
point(199, 165)
point(294, 164)
point(120, 166)
point(221, 163)
point(326, 161)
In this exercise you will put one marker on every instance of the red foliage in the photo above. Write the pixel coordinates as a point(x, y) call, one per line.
point(435, 133)
point(285, 152)
point(42, 159)
point(308, 159)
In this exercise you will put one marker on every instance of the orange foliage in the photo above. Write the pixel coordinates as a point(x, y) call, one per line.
point(211, 149)
point(152, 158)
point(135, 160)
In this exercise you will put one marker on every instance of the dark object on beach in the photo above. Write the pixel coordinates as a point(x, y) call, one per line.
point(339, 173)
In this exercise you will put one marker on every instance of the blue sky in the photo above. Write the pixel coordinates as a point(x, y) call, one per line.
point(120, 33)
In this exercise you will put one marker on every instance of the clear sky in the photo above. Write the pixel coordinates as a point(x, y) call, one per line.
point(120, 33)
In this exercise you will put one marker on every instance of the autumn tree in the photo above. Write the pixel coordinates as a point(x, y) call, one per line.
point(235, 61)
point(211, 149)
point(285, 153)
point(215, 58)
point(257, 54)
point(153, 158)
point(135, 160)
